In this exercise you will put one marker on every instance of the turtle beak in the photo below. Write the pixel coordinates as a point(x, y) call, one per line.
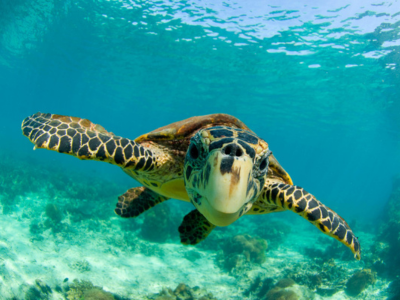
point(226, 188)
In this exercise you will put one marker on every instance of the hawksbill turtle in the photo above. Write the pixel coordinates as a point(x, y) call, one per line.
point(214, 162)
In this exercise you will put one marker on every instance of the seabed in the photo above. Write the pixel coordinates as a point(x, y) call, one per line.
point(111, 254)
point(61, 240)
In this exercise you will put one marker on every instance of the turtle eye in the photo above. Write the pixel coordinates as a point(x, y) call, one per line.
point(193, 151)
point(264, 164)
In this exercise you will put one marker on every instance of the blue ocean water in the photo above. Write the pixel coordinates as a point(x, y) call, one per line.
point(319, 81)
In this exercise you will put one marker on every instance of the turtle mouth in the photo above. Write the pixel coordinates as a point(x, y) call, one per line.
point(224, 189)
point(219, 218)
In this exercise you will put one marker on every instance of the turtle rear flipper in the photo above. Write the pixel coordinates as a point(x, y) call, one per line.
point(85, 140)
point(306, 205)
point(136, 201)
point(194, 228)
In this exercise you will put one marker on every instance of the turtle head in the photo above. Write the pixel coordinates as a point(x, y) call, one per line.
point(225, 170)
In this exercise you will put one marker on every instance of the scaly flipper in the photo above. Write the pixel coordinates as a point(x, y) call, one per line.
point(303, 203)
point(260, 207)
point(136, 201)
point(85, 140)
point(194, 228)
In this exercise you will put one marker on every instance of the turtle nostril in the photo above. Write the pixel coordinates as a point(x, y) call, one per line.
point(232, 150)
point(228, 150)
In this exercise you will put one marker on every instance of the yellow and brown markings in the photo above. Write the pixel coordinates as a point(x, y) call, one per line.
point(85, 140)
point(306, 205)
point(276, 171)
point(260, 207)
point(136, 201)
point(194, 228)
point(180, 130)
point(168, 168)
point(217, 137)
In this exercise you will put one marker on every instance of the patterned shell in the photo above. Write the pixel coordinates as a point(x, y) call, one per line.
point(187, 128)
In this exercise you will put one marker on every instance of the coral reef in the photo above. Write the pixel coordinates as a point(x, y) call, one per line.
point(39, 290)
point(259, 287)
point(77, 288)
point(85, 290)
point(235, 263)
point(81, 266)
point(285, 282)
point(288, 289)
point(182, 292)
point(359, 281)
point(281, 294)
point(243, 248)
point(283, 289)
point(238, 254)
point(265, 289)
point(97, 294)
point(326, 277)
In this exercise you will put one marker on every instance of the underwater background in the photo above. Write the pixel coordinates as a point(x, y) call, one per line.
point(318, 80)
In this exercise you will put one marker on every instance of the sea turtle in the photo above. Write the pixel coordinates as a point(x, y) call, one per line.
point(215, 162)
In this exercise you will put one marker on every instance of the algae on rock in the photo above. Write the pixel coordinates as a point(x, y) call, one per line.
point(281, 294)
point(243, 248)
point(360, 281)
point(38, 291)
point(182, 292)
point(85, 290)
point(97, 294)
point(81, 266)
point(259, 287)
point(326, 277)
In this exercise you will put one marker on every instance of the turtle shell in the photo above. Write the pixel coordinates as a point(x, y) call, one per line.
point(187, 128)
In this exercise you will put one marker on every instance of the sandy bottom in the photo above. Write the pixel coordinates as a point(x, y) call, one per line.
point(124, 264)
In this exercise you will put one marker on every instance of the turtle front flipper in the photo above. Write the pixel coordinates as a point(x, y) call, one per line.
point(306, 205)
point(136, 201)
point(194, 228)
point(85, 140)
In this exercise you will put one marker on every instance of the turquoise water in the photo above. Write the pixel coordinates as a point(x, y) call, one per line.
point(318, 81)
